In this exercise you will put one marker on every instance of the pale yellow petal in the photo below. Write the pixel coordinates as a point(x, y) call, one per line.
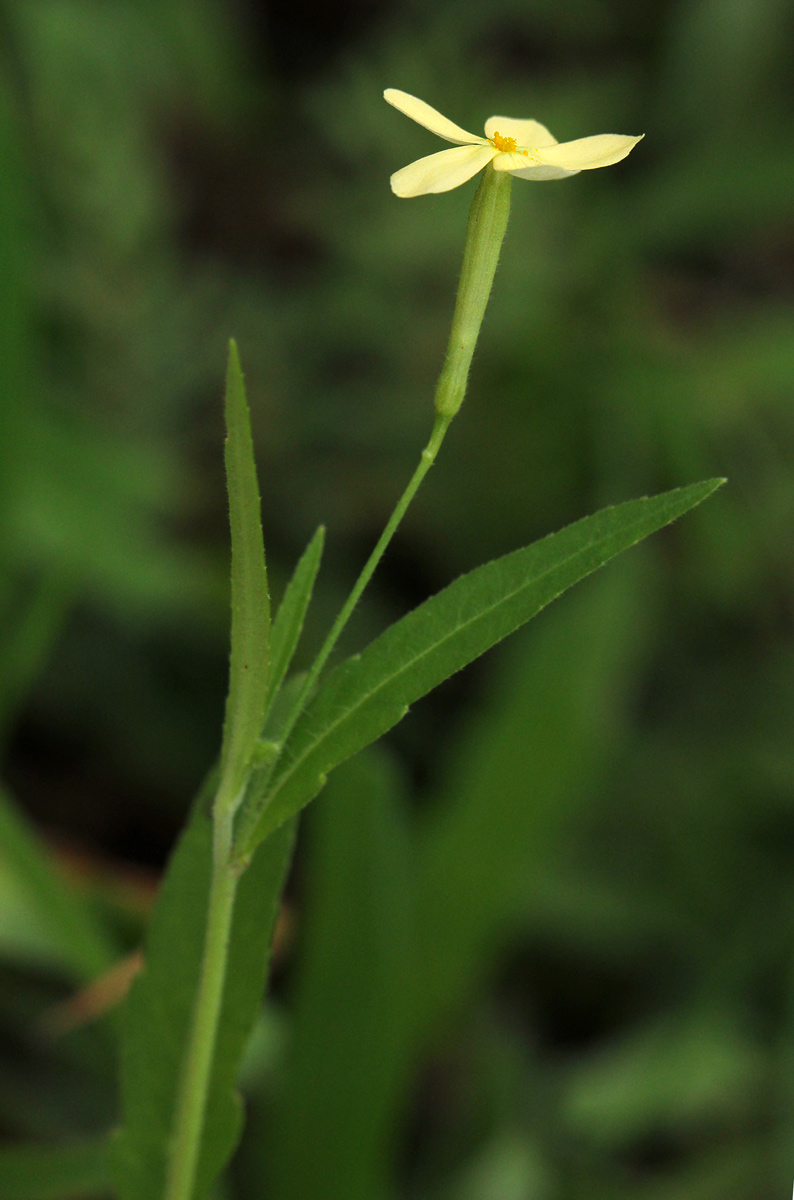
point(528, 166)
point(541, 173)
point(585, 154)
point(526, 133)
point(441, 172)
point(423, 114)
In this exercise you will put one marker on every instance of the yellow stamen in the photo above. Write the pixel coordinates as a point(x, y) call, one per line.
point(505, 145)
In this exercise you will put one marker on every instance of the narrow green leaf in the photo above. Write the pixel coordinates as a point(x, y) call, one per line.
point(292, 612)
point(371, 692)
point(55, 1172)
point(85, 948)
point(250, 640)
point(329, 1132)
point(160, 1005)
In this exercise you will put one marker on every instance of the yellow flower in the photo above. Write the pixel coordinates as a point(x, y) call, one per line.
point(524, 148)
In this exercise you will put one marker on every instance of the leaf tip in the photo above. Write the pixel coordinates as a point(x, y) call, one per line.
point(713, 485)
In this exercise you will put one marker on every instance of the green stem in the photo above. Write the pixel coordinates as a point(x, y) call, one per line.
point(194, 1084)
point(425, 463)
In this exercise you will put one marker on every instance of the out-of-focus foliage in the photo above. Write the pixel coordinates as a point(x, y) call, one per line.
point(577, 874)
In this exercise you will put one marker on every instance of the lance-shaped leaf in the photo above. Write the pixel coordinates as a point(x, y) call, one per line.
point(292, 612)
point(371, 692)
point(250, 641)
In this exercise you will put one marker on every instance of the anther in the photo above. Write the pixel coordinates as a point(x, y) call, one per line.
point(505, 145)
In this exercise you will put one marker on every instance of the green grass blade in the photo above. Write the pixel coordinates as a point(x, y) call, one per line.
point(371, 692)
point(250, 639)
point(292, 612)
point(341, 1088)
point(160, 1005)
point(84, 947)
point(55, 1172)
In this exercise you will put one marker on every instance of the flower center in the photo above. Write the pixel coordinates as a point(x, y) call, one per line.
point(505, 145)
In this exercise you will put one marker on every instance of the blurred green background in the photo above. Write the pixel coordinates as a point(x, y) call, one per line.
point(541, 944)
